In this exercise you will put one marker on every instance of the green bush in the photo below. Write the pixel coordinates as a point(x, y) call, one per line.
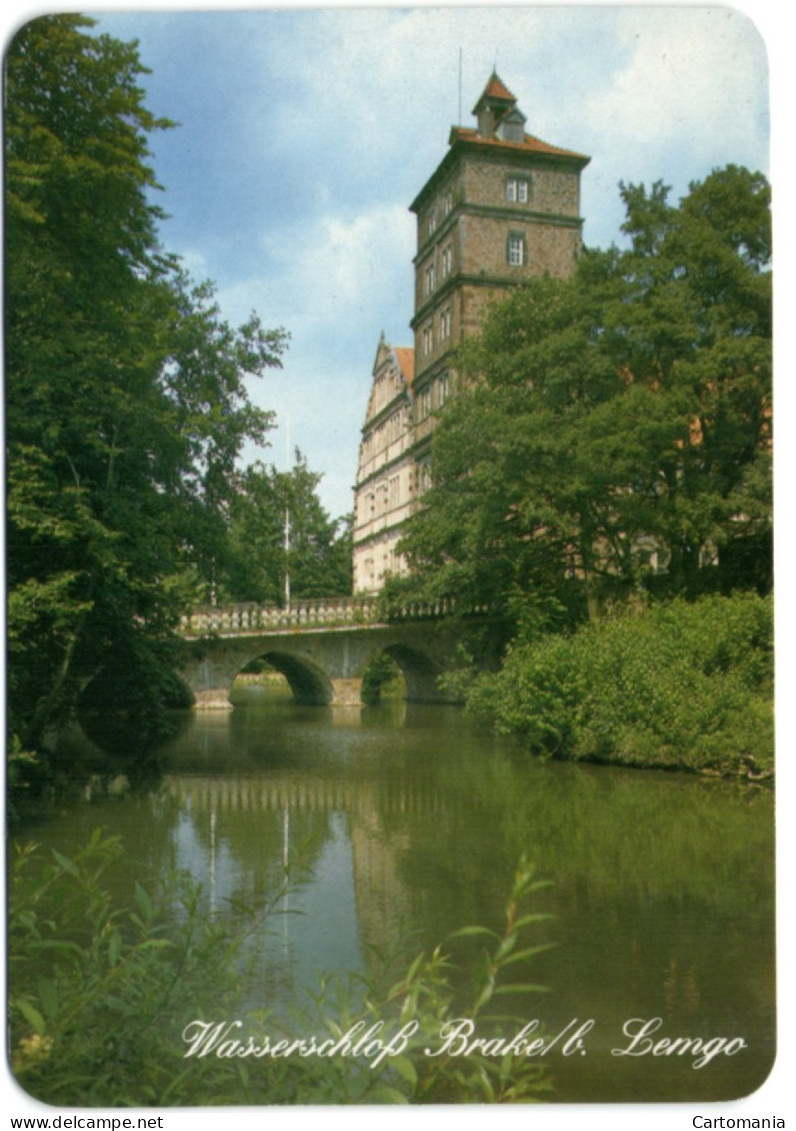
point(677, 685)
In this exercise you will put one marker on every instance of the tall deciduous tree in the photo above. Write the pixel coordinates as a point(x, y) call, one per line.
point(278, 526)
point(617, 417)
point(126, 395)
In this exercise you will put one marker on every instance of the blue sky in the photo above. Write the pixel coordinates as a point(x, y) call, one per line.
point(305, 134)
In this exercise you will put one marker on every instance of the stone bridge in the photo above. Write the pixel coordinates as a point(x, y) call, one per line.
point(322, 647)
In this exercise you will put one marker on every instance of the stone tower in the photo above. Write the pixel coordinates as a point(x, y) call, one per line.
point(502, 206)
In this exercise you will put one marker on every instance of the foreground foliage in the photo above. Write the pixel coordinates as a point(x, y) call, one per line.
point(101, 993)
point(676, 686)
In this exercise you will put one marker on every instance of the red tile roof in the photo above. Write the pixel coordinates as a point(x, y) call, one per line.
point(496, 88)
point(530, 144)
point(405, 356)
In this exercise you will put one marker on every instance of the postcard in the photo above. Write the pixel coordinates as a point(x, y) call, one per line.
point(390, 562)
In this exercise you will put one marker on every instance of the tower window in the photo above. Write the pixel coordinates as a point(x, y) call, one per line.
point(447, 260)
point(516, 190)
point(516, 252)
point(445, 323)
point(443, 388)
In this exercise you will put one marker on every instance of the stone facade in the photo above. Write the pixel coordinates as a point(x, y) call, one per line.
point(501, 207)
point(384, 490)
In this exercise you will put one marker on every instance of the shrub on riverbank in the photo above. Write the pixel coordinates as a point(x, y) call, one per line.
point(678, 685)
point(106, 1002)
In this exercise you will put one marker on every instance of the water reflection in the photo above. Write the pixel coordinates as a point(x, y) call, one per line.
point(405, 818)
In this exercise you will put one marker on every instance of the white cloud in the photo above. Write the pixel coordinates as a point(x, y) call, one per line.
point(327, 276)
point(694, 74)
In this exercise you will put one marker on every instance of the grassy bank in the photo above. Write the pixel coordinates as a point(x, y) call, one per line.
point(679, 685)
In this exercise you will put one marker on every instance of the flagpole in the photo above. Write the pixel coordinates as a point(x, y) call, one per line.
point(287, 515)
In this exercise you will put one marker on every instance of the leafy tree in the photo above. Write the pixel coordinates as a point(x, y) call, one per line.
point(694, 328)
point(318, 553)
point(126, 401)
point(320, 547)
point(622, 413)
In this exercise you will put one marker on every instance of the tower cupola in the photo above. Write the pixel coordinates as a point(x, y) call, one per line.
point(495, 103)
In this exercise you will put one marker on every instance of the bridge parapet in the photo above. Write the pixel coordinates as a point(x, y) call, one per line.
point(312, 613)
point(431, 610)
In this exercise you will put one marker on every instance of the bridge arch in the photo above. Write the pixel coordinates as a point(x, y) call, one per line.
point(309, 684)
point(323, 664)
point(421, 674)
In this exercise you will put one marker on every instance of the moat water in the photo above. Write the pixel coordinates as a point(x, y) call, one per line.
point(407, 822)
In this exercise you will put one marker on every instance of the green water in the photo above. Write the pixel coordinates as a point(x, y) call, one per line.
point(409, 819)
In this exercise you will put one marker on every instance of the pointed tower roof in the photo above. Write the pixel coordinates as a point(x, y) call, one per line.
point(383, 351)
point(494, 106)
point(495, 91)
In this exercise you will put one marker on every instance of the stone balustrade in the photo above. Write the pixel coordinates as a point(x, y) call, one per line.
point(242, 619)
point(308, 614)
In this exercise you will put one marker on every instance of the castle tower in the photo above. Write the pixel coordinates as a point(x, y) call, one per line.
point(501, 207)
